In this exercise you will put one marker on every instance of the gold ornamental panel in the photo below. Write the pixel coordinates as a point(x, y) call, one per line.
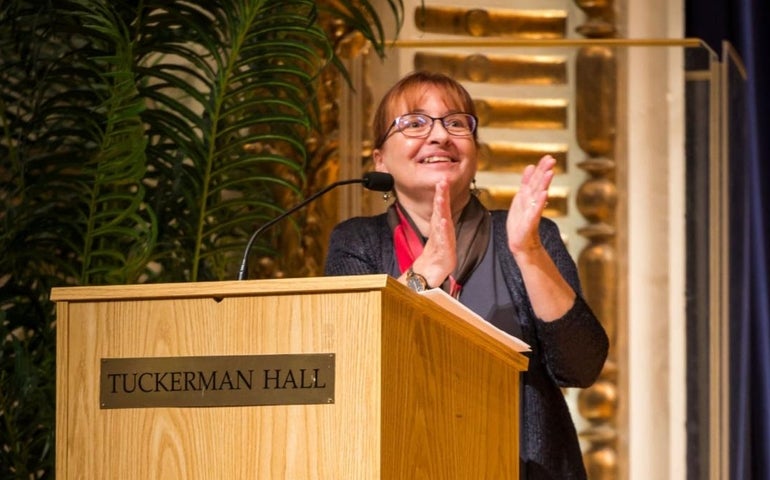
point(597, 268)
point(601, 462)
point(599, 403)
point(476, 22)
point(597, 199)
point(499, 198)
point(496, 69)
point(512, 157)
point(524, 114)
point(596, 84)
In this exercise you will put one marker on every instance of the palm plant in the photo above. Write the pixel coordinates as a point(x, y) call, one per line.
point(141, 141)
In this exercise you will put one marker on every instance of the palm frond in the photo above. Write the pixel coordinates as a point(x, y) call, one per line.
point(244, 120)
point(119, 230)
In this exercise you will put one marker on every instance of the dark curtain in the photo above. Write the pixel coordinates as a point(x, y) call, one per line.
point(746, 25)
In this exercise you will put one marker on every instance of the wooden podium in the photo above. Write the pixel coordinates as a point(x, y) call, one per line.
point(404, 389)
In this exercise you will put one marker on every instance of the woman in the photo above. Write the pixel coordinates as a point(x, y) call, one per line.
point(511, 267)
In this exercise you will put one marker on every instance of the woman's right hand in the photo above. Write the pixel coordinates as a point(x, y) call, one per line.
point(439, 255)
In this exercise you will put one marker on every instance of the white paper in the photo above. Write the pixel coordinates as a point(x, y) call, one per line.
point(453, 305)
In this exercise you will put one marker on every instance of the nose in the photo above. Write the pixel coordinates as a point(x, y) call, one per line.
point(438, 131)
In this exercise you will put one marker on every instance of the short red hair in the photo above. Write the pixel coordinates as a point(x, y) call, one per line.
point(411, 88)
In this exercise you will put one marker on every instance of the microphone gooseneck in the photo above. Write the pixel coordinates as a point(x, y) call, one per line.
point(377, 181)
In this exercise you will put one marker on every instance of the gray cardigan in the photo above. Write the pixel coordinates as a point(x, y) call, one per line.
point(568, 352)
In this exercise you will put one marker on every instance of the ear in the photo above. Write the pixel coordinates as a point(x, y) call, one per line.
point(379, 161)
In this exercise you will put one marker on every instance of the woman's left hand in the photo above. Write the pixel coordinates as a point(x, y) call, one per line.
point(528, 205)
point(549, 294)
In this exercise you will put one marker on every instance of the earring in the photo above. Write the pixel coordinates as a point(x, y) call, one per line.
point(474, 190)
point(386, 196)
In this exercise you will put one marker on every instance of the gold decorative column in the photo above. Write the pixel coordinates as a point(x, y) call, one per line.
point(596, 96)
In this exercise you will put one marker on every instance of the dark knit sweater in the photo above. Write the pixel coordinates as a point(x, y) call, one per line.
point(568, 352)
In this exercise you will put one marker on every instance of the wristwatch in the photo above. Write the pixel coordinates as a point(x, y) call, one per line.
point(415, 281)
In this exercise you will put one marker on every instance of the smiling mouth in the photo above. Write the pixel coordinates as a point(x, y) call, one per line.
point(436, 160)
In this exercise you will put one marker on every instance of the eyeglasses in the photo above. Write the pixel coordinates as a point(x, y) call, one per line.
point(419, 125)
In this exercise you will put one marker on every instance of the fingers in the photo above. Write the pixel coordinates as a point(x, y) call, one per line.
point(535, 182)
point(528, 205)
point(439, 257)
point(442, 227)
point(538, 177)
point(441, 207)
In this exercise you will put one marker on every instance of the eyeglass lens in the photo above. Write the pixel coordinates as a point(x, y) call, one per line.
point(418, 125)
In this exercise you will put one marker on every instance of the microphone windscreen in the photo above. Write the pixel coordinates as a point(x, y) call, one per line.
point(378, 181)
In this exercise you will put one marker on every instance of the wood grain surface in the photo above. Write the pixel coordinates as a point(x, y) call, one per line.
point(417, 393)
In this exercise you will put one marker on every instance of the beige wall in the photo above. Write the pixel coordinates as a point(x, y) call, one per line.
point(655, 242)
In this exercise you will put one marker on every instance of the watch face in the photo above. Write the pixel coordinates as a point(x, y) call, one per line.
point(416, 282)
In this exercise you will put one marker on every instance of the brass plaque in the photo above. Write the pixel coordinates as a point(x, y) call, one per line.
point(217, 381)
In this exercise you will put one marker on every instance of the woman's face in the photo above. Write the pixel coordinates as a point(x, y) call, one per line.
point(417, 164)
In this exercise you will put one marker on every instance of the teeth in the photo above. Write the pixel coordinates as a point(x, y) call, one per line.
point(436, 159)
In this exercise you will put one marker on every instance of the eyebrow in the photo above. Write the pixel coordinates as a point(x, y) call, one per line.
point(425, 112)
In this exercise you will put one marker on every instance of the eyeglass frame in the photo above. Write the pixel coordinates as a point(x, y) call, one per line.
point(395, 121)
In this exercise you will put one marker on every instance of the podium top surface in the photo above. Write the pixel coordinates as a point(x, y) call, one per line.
point(229, 288)
point(288, 286)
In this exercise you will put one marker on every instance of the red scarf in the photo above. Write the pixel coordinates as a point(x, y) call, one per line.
point(472, 232)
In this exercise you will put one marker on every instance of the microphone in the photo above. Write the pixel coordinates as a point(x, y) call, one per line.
point(377, 181)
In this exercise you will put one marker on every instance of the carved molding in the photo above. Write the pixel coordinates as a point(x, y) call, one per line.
point(496, 69)
point(477, 22)
point(596, 93)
